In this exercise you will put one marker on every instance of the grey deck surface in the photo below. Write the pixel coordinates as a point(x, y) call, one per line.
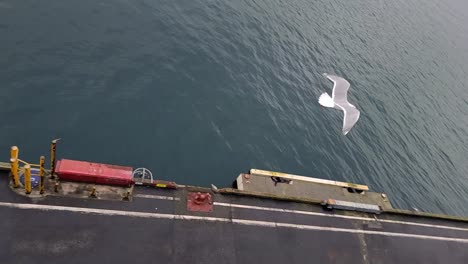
point(301, 189)
point(63, 236)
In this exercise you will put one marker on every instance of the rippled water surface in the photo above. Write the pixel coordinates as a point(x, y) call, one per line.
point(199, 91)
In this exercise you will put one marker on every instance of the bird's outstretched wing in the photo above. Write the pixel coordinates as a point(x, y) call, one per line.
point(351, 116)
point(340, 88)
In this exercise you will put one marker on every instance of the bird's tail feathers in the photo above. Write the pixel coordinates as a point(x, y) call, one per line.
point(326, 100)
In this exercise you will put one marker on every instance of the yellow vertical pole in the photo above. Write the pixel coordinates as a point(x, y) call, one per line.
point(14, 152)
point(41, 174)
point(14, 172)
point(53, 147)
point(27, 178)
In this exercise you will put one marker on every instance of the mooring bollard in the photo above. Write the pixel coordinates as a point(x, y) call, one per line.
point(93, 193)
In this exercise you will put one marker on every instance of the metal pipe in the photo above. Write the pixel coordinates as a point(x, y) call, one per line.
point(30, 164)
point(27, 178)
point(41, 174)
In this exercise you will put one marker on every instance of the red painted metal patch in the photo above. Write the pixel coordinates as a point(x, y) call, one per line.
point(199, 202)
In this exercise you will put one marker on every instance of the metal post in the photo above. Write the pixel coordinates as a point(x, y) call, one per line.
point(14, 152)
point(27, 178)
point(41, 174)
point(53, 146)
point(14, 172)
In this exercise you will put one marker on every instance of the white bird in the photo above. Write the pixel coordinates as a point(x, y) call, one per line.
point(339, 100)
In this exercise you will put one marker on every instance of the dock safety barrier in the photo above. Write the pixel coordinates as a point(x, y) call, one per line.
point(26, 169)
point(53, 149)
point(27, 178)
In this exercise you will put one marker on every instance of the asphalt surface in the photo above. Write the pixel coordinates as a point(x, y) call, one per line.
point(239, 230)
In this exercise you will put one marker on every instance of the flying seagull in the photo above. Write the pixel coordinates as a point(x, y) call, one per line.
point(339, 101)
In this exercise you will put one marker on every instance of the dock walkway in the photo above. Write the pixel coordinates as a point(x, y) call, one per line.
point(157, 227)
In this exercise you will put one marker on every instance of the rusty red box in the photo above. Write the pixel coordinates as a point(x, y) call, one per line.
point(83, 171)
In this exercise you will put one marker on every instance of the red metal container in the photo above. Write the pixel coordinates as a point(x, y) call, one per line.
point(83, 171)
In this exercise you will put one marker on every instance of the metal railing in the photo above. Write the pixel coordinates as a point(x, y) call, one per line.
point(26, 168)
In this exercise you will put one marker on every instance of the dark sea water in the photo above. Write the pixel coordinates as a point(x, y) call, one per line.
point(199, 91)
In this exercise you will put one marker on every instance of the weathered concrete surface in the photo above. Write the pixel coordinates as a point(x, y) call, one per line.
point(309, 190)
point(157, 228)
